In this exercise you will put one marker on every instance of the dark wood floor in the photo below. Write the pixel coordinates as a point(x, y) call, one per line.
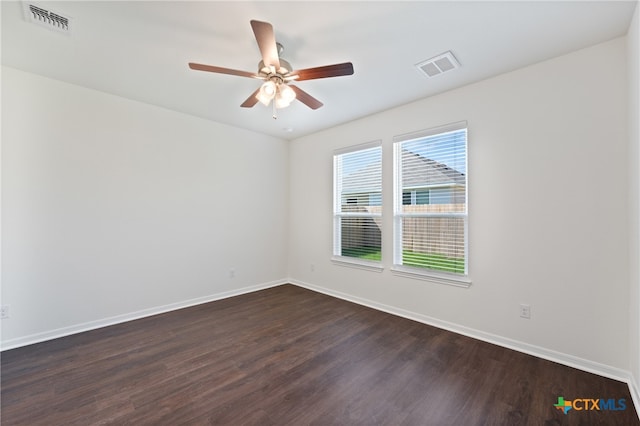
point(289, 356)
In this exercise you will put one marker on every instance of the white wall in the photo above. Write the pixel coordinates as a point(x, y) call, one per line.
point(113, 208)
point(633, 58)
point(547, 204)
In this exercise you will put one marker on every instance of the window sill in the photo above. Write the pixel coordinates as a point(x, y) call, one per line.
point(440, 278)
point(359, 264)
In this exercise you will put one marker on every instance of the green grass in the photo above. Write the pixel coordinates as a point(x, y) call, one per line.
point(432, 261)
point(368, 253)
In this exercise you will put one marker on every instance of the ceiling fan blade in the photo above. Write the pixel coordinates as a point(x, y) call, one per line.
point(266, 42)
point(251, 100)
point(220, 70)
point(336, 70)
point(306, 98)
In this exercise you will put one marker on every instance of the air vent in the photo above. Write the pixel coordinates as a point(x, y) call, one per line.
point(46, 18)
point(438, 64)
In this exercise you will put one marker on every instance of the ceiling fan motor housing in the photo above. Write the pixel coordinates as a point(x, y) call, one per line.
point(268, 71)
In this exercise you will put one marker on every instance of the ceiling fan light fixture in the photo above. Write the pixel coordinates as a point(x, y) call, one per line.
point(285, 96)
point(267, 92)
point(281, 103)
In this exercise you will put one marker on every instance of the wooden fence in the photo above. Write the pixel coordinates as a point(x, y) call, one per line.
point(361, 232)
point(435, 235)
point(439, 235)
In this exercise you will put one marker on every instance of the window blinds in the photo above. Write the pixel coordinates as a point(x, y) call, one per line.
point(430, 200)
point(358, 202)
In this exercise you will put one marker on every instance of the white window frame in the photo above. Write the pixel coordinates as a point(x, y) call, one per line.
point(460, 280)
point(337, 258)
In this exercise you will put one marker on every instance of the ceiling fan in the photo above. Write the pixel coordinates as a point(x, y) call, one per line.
point(278, 73)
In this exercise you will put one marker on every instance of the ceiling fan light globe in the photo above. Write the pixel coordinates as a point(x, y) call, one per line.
point(286, 92)
point(281, 102)
point(264, 100)
point(269, 88)
point(267, 92)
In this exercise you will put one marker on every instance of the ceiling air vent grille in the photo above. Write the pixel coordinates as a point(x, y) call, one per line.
point(438, 64)
point(46, 18)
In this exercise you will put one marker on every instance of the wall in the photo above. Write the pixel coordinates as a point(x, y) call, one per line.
point(114, 209)
point(547, 204)
point(633, 57)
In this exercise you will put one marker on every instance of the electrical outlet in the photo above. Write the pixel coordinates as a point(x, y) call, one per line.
point(525, 311)
point(232, 273)
point(4, 311)
point(313, 267)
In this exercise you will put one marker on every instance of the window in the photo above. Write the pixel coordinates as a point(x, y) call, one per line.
point(412, 198)
point(430, 203)
point(357, 211)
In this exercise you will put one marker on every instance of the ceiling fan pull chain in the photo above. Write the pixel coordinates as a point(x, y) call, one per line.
point(275, 114)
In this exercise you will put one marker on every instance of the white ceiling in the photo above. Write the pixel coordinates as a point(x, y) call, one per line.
point(140, 50)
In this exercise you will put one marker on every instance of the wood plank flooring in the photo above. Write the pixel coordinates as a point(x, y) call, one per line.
point(290, 356)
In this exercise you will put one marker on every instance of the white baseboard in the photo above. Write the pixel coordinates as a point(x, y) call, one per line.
point(634, 389)
point(105, 322)
point(537, 351)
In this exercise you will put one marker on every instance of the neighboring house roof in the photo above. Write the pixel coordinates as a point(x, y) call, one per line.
point(365, 180)
point(434, 174)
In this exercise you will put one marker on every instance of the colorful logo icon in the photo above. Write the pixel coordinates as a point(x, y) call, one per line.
point(563, 405)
